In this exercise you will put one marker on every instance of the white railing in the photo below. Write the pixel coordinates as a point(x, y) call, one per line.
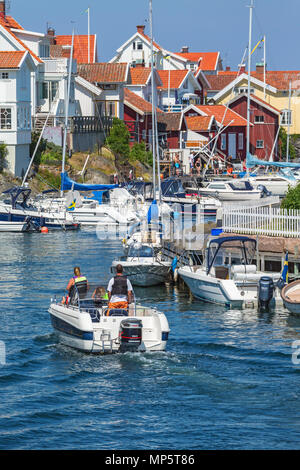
point(270, 221)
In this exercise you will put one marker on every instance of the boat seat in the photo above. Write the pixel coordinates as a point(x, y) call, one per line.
point(254, 277)
point(222, 272)
point(116, 312)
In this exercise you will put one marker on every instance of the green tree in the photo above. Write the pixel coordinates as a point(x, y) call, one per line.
point(3, 155)
point(292, 198)
point(118, 140)
point(283, 143)
point(42, 147)
point(139, 152)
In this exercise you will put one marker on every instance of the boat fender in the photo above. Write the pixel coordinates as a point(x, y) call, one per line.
point(176, 275)
point(44, 230)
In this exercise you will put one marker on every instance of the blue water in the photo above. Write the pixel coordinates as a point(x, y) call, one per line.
point(227, 380)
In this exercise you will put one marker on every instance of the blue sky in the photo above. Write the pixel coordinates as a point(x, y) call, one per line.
point(216, 25)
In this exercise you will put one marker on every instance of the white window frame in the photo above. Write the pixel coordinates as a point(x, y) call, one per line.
point(260, 144)
point(258, 120)
point(5, 121)
point(286, 117)
point(223, 141)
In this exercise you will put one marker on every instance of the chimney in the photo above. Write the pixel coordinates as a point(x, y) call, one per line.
point(2, 9)
point(140, 29)
point(185, 49)
point(260, 67)
point(51, 35)
point(242, 68)
point(228, 68)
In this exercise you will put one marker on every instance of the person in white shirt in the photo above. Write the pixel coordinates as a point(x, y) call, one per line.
point(120, 292)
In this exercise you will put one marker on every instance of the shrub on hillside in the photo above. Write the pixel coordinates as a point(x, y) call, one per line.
point(3, 155)
point(118, 140)
point(292, 198)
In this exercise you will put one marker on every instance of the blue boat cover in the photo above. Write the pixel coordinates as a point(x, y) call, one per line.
point(67, 184)
point(252, 161)
point(153, 213)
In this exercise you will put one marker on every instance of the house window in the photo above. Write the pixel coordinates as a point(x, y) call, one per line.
point(5, 118)
point(5, 75)
point(133, 45)
point(286, 117)
point(44, 50)
point(110, 108)
point(53, 90)
point(139, 46)
point(259, 118)
point(244, 90)
point(44, 90)
point(260, 144)
point(223, 142)
point(241, 141)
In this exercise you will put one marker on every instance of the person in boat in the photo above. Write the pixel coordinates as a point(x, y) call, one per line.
point(77, 280)
point(99, 295)
point(120, 292)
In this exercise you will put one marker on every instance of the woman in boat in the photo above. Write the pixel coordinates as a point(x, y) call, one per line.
point(77, 280)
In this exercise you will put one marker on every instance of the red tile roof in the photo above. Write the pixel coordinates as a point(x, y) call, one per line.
point(10, 22)
point(176, 77)
point(137, 102)
point(198, 123)
point(149, 40)
point(277, 79)
point(11, 59)
point(103, 72)
point(172, 121)
point(139, 75)
point(81, 47)
point(219, 111)
point(3, 22)
point(208, 60)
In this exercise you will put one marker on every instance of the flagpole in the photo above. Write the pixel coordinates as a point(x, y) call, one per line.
point(289, 124)
point(89, 36)
point(265, 66)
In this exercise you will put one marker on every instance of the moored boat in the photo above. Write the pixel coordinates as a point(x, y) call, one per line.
point(291, 297)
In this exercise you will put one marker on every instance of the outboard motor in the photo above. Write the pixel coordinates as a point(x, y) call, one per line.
point(264, 191)
point(130, 335)
point(265, 292)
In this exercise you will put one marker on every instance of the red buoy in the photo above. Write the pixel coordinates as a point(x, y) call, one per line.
point(44, 230)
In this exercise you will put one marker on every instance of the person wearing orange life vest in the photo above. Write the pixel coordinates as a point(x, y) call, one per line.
point(77, 280)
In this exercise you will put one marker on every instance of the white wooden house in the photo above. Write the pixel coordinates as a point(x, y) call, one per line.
point(16, 68)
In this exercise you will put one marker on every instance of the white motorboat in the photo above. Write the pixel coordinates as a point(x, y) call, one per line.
point(278, 184)
point(235, 190)
point(144, 233)
point(17, 209)
point(228, 277)
point(86, 323)
point(109, 212)
point(143, 266)
point(16, 227)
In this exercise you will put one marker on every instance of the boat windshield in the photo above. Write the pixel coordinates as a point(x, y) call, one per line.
point(89, 297)
point(230, 251)
point(241, 186)
point(141, 251)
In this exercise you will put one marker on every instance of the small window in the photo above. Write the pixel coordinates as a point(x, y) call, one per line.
point(286, 117)
point(260, 144)
point(259, 118)
point(133, 45)
point(139, 46)
point(223, 142)
point(5, 75)
point(5, 118)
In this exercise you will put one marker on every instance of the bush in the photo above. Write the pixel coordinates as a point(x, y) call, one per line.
point(139, 152)
point(3, 155)
point(118, 140)
point(47, 153)
point(292, 198)
point(283, 143)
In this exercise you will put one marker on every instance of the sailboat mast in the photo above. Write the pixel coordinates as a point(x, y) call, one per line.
point(153, 101)
point(67, 113)
point(289, 124)
point(249, 76)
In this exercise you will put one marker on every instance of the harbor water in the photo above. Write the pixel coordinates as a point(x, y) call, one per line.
point(226, 381)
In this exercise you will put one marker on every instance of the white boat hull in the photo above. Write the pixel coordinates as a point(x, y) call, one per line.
point(16, 227)
point(78, 330)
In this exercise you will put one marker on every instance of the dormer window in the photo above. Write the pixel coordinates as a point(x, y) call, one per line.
point(4, 75)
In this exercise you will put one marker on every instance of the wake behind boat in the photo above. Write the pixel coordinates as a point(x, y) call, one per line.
point(87, 323)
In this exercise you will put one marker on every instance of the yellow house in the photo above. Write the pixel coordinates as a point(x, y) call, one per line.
point(274, 91)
